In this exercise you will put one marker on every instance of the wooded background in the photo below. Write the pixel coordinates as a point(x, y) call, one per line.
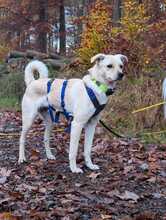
point(65, 34)
point(57, 25)
point(72, 31)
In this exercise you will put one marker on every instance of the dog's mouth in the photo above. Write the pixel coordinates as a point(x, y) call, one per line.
point(111, 82)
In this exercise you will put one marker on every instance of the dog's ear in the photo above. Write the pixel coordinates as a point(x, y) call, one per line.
point(123, 58)
point(98, 57)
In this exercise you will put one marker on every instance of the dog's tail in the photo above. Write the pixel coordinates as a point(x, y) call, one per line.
point(164, 96)
point(38, 66)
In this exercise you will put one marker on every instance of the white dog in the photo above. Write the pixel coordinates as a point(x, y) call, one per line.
point(101, 78)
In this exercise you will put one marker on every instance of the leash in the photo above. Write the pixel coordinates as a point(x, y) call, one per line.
point(148, 107)
point(110, 129)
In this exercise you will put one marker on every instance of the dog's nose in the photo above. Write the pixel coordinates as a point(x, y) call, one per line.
point(120, 75)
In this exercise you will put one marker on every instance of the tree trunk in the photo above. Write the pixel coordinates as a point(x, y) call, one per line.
point(62, 28)
point(116, 11)
point(43, 18)
point(80, 12)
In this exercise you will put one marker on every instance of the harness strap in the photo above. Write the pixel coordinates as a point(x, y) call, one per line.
point(49, 86)
point(95, 101)
point(67, 114)
point(51, 109)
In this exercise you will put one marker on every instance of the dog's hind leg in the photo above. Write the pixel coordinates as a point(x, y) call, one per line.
point(47, 132)
point(48, 127)
point(29, 112)
point(89, 134)
point(27, 120)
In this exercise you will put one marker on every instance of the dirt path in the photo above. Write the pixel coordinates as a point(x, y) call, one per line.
point(131, 183)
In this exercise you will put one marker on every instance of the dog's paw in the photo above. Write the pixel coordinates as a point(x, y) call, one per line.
point(76, 170)
point(93, 166)
point(51, 157)
point(21, 160)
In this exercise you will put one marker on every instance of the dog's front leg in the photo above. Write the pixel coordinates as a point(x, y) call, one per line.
point(76, 129)
point(89, 134)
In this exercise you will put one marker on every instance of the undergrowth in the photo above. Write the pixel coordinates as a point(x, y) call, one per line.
point(131, 94)
point(12, 88)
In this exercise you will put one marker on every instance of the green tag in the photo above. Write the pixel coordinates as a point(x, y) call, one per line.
point(103, 87)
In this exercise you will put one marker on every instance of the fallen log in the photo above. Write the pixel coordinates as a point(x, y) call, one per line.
point(32, 54)
point(16, 60)
point(54, 56)
point(55, 64)
point(16, 64)
point(16, 54)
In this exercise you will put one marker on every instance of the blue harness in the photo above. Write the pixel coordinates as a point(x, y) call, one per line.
point(54, 115)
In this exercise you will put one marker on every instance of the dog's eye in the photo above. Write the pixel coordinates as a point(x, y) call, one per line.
point(110, 66)
point(121, 66)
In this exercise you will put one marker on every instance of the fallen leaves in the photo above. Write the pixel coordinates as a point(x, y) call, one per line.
point(4, 173)
point(31, 170)
point(127, 195)
point(106, 216)
point(131, 179)
point(8, 216)
point(94, 175)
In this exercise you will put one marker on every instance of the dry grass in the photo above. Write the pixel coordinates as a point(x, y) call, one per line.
point(132, 95)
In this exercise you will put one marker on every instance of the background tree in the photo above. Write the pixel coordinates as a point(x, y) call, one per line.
point(62, 28)
point(117, 6)
point(96, 32)
point(43, 25)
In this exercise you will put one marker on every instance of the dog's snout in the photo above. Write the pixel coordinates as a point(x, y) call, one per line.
point(120, 75)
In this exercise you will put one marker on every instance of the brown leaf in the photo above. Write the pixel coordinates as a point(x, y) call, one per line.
point(127, 169)
point(114, 192)
point(146, 216)
point(127, 195)
point(8, 216)
point(16, 195)
point(31, 170)
point(34, 154)
point(94, 175)
point(103, 216)
point(152, 179)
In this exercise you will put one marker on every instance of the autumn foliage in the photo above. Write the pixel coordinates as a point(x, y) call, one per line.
point(98, 28)
point(134, 36)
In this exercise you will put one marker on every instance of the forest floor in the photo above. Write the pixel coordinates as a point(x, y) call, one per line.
point(131, 184)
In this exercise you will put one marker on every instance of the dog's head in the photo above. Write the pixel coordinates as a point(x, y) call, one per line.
point(108, 68)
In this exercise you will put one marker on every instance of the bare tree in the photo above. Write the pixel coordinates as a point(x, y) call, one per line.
point(43, 19)
point(62, 28)
point(117, 4)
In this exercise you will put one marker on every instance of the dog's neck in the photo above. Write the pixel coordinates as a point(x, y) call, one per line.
point(96, 74)
point(100, 94)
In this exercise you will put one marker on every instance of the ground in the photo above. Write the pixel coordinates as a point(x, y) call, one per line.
point(130, 184)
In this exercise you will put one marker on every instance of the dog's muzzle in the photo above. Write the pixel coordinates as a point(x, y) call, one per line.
point(120, 76)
